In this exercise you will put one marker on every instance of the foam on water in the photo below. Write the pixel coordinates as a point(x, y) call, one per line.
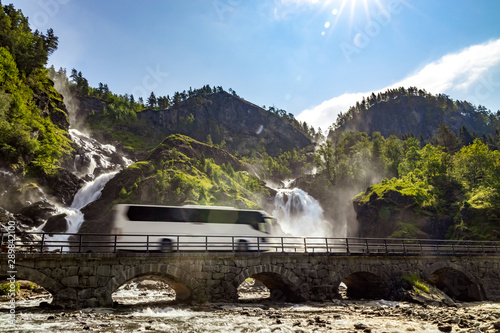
point(165, 312)
point(299, 214)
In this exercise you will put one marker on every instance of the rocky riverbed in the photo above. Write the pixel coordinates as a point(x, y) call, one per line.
point(143, 307)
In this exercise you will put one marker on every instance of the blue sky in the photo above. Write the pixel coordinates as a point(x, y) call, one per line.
point(312, 58)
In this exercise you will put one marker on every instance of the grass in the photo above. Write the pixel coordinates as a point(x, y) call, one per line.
point(416, 281)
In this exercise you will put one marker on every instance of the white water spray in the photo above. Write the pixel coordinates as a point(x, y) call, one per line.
point(299, 214)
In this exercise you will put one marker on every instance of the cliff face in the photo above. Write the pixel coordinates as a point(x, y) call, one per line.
point(242, 125)
point(229, 121)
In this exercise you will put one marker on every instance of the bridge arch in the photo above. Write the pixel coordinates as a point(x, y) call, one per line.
point(33, 275)
point(179, 280)
point(282, 283)
point(455, 281)
point(361, 282)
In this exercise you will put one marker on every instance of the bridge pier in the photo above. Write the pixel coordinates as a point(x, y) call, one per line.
point(89, 280)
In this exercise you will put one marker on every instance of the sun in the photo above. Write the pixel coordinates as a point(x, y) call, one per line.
point(338, 9)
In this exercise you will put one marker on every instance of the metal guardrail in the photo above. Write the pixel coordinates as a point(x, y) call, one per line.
point(36, 242)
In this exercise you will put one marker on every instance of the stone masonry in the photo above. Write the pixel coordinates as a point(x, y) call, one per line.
point(88, 280)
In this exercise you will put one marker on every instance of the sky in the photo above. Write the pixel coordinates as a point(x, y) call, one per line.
point(312, 58)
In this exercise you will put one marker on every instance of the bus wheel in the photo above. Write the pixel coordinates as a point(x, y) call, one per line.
point(166, 245)
point(242, 246)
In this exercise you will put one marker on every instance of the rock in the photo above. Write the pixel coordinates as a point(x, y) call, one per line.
point(360, 326)
point(56, 223)
point(445, 328)
point(63, 184)
point(38, 212)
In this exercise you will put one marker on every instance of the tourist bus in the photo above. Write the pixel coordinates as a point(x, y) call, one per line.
point(184, 228)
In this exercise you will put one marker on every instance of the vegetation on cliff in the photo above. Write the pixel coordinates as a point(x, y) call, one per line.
point(435, 190)
point(33, 119)
point(181, 171)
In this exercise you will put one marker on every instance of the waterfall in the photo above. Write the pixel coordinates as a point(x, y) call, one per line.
point(74, 217)
point(97, 163)
point(299, 214)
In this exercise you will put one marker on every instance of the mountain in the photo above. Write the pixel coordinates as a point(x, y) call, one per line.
point(414, 111)
point(215, 117)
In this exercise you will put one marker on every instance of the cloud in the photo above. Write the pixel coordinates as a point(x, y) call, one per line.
point(463, 75)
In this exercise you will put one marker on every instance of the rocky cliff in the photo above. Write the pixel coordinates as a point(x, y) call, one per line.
point(227, 120)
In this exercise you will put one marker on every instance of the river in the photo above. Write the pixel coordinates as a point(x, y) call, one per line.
point(138, 310)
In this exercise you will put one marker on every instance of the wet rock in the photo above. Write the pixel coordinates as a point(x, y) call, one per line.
point(63, 185)
point(56, 223)
point(445, 328)
point(38, 212)
point(360, 326)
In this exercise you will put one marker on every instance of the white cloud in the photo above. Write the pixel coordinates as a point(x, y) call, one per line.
point(463, 75)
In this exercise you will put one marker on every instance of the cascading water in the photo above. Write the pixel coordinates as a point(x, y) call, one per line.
point(74, 217)
point(99, 159)
point(299, 214)
point(93, 155)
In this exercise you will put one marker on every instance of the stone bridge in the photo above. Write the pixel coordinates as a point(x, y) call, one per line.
point(89, 279)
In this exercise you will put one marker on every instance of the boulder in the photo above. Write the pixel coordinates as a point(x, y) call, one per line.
point(56, 223)
point(38, 212)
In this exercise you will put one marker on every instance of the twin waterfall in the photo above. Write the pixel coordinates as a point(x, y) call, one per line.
point(298, 213)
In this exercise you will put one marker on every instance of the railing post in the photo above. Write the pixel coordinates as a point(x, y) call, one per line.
point(347, 246)
point(232, 242)
point(367, 248)
point(385, 245)
point(42, 243)
point(178, 241)
point(258, 244)
point(326, 243)
point(114, 245)
point(206, 243)
point(404, 248)
point(282, 246)
point(305, 245)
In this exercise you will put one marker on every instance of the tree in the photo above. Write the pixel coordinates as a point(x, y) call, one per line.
point(446, 138)
point(326, 158)
point(464, 136)
point(152, 100)
point(476, 165)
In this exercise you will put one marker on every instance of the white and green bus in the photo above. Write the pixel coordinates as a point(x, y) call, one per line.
point(190, 228)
